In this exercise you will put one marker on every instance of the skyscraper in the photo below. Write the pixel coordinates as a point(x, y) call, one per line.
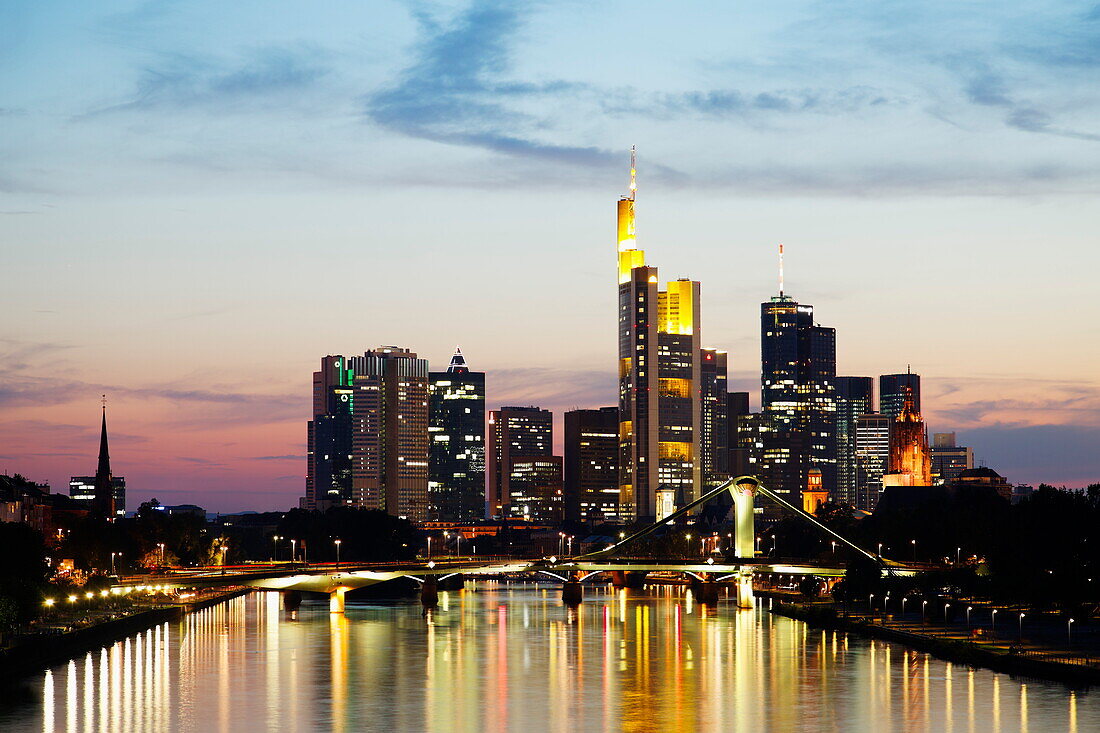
point(853, 398)
point(798, 368)
point(872, 457)
point(660, 387)
point(456, 452)
point(591, 464)
point(382, 398)
point(737, 407)
point(948, 459)
point(714, 418)
point(516, 435)
point(329, 437)
point(910, 460)
point(891, 393)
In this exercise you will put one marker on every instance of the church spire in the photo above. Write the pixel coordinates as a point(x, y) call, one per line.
point(458, 363)
point(104, 454)
point(103, 502)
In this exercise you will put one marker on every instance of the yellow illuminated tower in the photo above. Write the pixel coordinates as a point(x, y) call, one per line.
point(660, 405)
point(910, 462)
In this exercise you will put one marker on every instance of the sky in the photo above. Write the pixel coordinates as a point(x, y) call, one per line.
point(199, 200)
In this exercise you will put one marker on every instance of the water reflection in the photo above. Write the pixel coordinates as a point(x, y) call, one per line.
point(501, 657)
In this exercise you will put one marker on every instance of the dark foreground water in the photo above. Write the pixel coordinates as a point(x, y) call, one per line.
point(501, 657)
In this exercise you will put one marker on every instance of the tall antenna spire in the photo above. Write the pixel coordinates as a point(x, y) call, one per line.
point(633, 172)
point(780, 269)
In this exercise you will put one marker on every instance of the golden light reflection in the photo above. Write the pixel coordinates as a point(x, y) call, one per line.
point(507, 656)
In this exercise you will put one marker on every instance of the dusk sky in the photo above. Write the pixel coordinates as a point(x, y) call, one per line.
point(198, 201)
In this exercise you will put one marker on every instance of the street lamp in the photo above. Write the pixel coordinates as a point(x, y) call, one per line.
point(1069, 632)
point(429, 547)
point(968, 609)
point(293, 550)
point(880, 549)
point(275, 548)
point(903, 600)
point(914, 550)
point(924, 612)
point(993, 623)
point(458, 540)
point(1021, 638)
point(113, 561)
point(871, 606)
point(958, 554)
point(945, 607)
point(833, 543)
point(160, 546)
point(337, 542)
point(568, 541)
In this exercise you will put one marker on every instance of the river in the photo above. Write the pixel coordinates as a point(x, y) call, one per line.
point(512, 657)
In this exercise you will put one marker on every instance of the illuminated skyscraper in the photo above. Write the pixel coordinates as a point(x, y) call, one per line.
point(591, 464)
point(456, 453)
point(872, 457)
point(660, 381)
point(891, 393)
point(519, 435)
point(798, 368)
point(382, 399)
point(853, 398)
point(328, 437)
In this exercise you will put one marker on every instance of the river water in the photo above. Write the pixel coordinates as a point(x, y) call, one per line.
point(512, 657)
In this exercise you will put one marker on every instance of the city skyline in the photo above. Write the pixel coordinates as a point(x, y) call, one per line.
point(973, 280)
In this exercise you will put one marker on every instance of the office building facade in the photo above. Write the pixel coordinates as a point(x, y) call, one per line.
point(853, 398)
point(661, 452)
point(798, 397)
point(456, 449)
point(892, 391)
point(591, 480)
point(949, 459)
point(872, 445)
point(516, 434)
point(382, 399)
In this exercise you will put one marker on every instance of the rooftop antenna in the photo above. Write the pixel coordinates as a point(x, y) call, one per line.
point(103, 401)
point(780, 269)
point(633, 173)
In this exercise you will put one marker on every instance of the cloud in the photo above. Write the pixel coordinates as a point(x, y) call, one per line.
point(185, 81)
point(1016, 402)
point(731, 102)
point(452, 93)
point(287, 457)
point(554, 389)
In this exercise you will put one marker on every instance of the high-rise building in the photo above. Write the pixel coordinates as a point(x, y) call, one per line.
point(798, 366)
point(773, 456)
point(714, 418)
point(515, 434)
point(948, 459)
point(382, 399)
point(535, 491)
point(591, 464)
point(737, 406)
point(104, 493)
point(456, 451)
point(910, 460)
point(853, 398)
point(872, 458)
point(329, 437)
point(891, 393)
point(660, 381)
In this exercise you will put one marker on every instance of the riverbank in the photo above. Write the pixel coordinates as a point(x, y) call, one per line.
point(998, 658)
point(36, 652)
